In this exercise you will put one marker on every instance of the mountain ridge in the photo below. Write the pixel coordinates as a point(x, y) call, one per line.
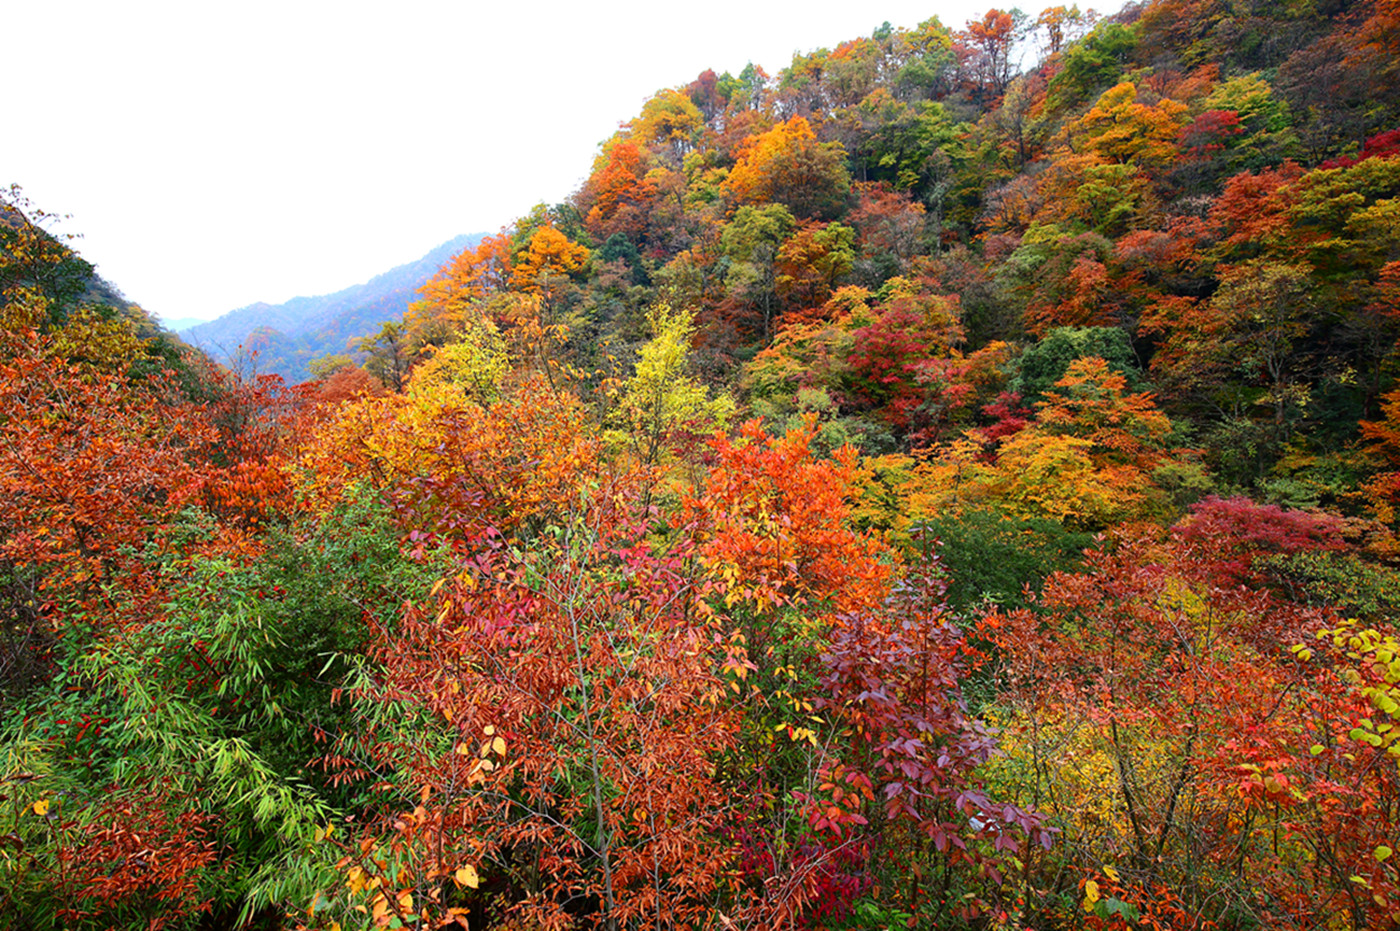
point(288, 336)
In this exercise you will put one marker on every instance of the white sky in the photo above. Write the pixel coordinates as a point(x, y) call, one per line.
point(217, 154)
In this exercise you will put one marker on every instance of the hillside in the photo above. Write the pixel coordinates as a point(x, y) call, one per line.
point(902, 491)
point(288, 337)
point(34, 259)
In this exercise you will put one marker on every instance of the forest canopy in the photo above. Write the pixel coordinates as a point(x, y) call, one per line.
point(950, 483)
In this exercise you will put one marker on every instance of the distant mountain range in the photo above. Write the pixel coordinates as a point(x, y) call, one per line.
point(289, 337)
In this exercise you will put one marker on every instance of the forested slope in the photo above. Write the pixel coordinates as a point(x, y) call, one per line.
point(904, 491)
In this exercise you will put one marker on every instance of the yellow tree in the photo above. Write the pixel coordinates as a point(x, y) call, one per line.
point(546, 265)
point(660, 401)
point(1088, 458)
point(1121, 130)
point(669, 121)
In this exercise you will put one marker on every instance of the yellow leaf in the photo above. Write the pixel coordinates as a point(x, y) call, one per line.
point(1091, 895)
point(1110, 872)
point(489, 729)
point(355, 879)
point(466, 875)
point(41, 807)
point(499, 746)
point(1383, 853)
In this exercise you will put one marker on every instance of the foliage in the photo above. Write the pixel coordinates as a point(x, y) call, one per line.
point(660, 405)
point(787, 165)
point(507, 622)
point(551, 714)
point(995, 557)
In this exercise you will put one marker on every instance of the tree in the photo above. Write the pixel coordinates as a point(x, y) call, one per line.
point(1087, 67)
point(987, 46)
point(448, 298)
point(1048, 360)
point(93, 465)
point(787, 165)
point(33, 260)
point(751, 241)
point(1088, 458)
point(772, 532)
point(811, 263)
point(617, 197)
point(1062, 26)
point(1142, 676)
point(553, 715)
point(389, 357)
point(661, 406)
point(546, 267)
point(1091, 402)
point(893, 363)
point(669, 122)
point(1122, 130)
point(1266, 311)
point(891, 225)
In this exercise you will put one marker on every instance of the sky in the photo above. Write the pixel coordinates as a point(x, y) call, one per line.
point(212, 155)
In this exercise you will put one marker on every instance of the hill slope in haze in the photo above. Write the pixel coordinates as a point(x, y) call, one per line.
point(288, 337)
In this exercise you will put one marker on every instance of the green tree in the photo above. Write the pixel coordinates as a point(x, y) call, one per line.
point(389, 358)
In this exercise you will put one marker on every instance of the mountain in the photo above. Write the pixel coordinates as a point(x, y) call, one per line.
point(289, 337)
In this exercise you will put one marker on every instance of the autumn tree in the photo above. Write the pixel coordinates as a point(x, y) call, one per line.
point(618, 195)
point(389, 357)
point(987, 46)
point(1207, 765)
point(787, 165)
point(811, 263)
point(553, 716)
point(751, 241)
point(1120, 129)
point(893, 362)
point(447, 298)
point(1061, 26)
point(546, 266)
point(669, 122)
point(890, 225)
point(661, 408)
point(94, 463)
point(1266, 312)
point(1086, 460)
point(34, 260)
